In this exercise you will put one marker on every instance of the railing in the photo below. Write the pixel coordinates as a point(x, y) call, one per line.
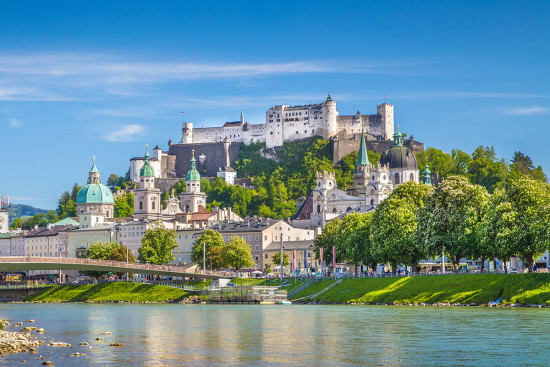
point(124, 266)
point(24, 286)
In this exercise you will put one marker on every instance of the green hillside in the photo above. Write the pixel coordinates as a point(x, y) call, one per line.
point(22, 210)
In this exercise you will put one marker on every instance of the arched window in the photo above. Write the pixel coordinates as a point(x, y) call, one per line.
point(412, 177)
point(334, 210)
point(318, 208)
point(371, 201)
point(141, 204)
point(187, 208)
point(107, 213)
point(153, 205)
point(348, 209)
point(396, 180)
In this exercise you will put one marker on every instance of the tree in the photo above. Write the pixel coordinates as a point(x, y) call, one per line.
point(394, 224)
point(449, 222)
point(330, 237)
point(18, 223)
point(355, 236)
point(237, 254)
point(112, 181)
point(51, 217)
point(439, 161)
point(107, 251)
point(277, 259)
point(529, 202)
point(461, 162)
point(124, 205)
point(157, 245)
point(213, 242)
point(485, 169)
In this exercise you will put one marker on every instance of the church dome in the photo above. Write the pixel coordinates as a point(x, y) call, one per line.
point(398, 156)
point(95, 193)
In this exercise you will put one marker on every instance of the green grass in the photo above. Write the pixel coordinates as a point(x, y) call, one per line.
point(119, 291)
point(466, 288)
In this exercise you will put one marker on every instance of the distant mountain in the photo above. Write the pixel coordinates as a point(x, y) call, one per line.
point(20, 210)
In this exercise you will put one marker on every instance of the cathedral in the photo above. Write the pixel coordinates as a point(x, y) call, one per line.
point(371, 184)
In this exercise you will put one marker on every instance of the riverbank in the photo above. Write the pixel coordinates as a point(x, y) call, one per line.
point(117, 292)
point(464, 289)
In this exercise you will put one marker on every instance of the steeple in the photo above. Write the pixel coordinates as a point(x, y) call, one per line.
point(147, 170)
point(427, 176)
point(193, 174)
point(397, 138)
point(93, 175)
point(242, 116)
point(363, 158)
point(328, 98)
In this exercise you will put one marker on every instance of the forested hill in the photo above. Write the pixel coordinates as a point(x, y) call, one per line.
point(20, 210)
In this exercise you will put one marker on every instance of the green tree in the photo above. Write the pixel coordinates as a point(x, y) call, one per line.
point(394, 224)
point(107, 251)
point(331, 236)
point(450, 219)
point(276, 259)
point(51, 217)
point(112, 181)
point(485, 169)
point(237, 254)
point(355, 234)
point(213, 242)
point(124, 205)
point(157, 245)
point(461, 162)
point(439, 161)
point(18, 223)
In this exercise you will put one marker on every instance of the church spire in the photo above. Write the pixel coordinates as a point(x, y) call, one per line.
point(363, 158)
point(427, 176)
point(397, 138)
point(193, 174)
point(147, 170)
point(242, 116)
point(93, 175)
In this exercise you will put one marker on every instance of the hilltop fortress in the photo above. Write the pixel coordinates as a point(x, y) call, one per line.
point(289, 123)
point(217, 148)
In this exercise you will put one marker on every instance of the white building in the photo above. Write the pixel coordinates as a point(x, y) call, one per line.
point(290, 123)
point(227, 174)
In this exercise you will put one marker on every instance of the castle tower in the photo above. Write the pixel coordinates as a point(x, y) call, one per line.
point(192, 198)
point(385, 111)
point(147, 203)
point(330, 117)
point(187, 133)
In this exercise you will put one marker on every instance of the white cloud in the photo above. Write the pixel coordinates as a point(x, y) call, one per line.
point(125, 133)
point(528, 111)
point(15, 122)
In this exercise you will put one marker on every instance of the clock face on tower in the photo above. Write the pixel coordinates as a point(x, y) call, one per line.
point(372, 191)
point(385, 191)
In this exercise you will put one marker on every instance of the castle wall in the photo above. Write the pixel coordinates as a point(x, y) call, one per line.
point(210, 156)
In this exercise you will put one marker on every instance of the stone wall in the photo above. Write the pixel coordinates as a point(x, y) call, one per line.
point(209, 156)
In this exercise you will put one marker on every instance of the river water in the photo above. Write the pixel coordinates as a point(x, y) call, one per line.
point(303, 335)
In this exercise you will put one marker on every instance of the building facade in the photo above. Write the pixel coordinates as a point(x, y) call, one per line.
point(289, 123)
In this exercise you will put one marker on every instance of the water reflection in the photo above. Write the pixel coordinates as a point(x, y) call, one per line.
point(176, 335)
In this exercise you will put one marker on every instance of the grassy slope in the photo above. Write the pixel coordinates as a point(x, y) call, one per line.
point(121, 291)
point(467, 288)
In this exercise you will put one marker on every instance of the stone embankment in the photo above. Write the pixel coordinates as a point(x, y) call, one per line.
point(15, 342)
point(437, 304)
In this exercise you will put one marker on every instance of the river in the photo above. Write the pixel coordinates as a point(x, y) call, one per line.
point(303, 335)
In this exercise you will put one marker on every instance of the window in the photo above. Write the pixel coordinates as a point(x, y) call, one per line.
point(140, 206)
point(265, 256)
point(318, 208)
point(153, 205)
point(257, 247)
point(396, 180)
point(411, 177)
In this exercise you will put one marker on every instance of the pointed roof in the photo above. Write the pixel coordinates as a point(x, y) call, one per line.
point(193, 174)
point(94, 168)
point(147, 170)
point(363, 157)
point(397, 138)
point(242, 114)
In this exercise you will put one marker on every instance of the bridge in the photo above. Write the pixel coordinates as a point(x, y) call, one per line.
point(14, 263)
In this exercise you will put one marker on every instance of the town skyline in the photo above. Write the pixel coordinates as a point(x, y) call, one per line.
point(458, 76)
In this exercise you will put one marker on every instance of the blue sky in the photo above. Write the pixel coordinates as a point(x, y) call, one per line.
point(103, 78)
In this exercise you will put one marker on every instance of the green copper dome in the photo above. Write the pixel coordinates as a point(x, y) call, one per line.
point(193, 174)
point(147, 170)
point(398, 156)
point(95, 193)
